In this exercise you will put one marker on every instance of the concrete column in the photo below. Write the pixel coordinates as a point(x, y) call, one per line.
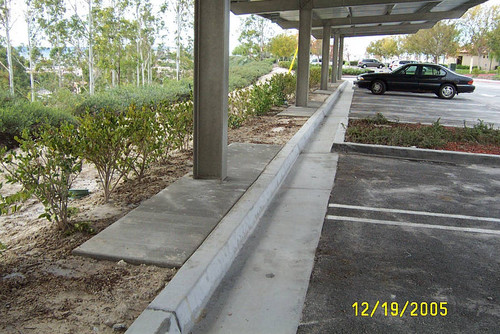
point(335, 66)
point(211, 77)
point(341, 57)
point(305, 17)
point(325, 64)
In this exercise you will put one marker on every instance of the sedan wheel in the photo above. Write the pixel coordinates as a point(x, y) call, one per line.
point(378, 87)
point(380, 66)
point(364, 66)
point(447, 91)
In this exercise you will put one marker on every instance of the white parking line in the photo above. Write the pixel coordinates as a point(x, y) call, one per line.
point(420, 213)
point(414, 225)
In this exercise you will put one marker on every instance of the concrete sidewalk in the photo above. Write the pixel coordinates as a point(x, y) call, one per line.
point(166, 229)
point(265, 288)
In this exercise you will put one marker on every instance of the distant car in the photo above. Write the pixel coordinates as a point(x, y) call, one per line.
point(315, 61)
point(418, 78)
point(364, 63)
point(397, 63)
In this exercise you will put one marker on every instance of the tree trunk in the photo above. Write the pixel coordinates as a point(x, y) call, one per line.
point(30, 53)
point(9, 48)
point(178, 58)
point(91, 56)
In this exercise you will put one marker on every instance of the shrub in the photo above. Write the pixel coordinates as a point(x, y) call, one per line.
point(18, 115)
point(178, 120)
point(238, 107)
point(282, 88)
point(46, 169)
point(120, 98)
point(261, 98)
point(314, 76)
point(354, 71)
point(105, 142)
point(146, 138)
point(244, 71)
point(286, 64)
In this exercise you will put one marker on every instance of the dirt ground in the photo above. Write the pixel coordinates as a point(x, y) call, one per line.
point(46, 289)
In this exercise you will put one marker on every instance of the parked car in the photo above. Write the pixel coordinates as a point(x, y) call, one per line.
point(397, 63)
point(419, 78)
point(364, 63)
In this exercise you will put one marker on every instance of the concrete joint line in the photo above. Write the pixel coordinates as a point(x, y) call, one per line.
point(191, 288)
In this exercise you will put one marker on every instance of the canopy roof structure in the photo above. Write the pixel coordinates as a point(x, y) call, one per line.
point(318, 18)
point(358, 17)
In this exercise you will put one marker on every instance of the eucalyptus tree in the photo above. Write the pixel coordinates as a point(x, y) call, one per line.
point(55, 26)
point(31, 15)
point(147, 27)
point(112, 34)
point(5, 20)
point(81, 37)
point(183, 11)
point(254, 35)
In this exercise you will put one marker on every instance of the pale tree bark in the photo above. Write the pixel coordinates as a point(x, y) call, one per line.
point(91, 51)
point(5, 20)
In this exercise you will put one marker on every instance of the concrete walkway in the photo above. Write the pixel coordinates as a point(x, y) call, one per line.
point(265, 288)
point(166, 229)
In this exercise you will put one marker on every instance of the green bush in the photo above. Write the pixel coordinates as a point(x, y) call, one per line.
point(314, 76)
point(282, 88)
point(18, 115)
point(286, 64)
point(46, 168)
point(104, 140)
point(119, 99)
point(244, 71)
point(146, 138)
point(178, 120)
point(354, 71)
point(261, 98)
point(239, 108)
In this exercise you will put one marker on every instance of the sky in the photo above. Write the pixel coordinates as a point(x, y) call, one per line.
point(355, 46)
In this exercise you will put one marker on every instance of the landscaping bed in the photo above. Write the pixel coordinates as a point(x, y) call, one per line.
point(46, 289)
point(481, 138)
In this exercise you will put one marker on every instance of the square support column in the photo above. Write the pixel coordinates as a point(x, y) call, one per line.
point(305, 17)
point(341, 57)
point(335, 61)
point(211, 77)
point(325, 64)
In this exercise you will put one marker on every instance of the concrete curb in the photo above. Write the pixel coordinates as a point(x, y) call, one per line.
point(418, 154)
point(181, 302)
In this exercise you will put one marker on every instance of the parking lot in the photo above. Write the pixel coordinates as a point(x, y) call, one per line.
point(483, 104)
point(407, 247)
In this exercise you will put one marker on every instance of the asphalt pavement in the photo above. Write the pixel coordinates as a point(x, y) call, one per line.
point(407, 247)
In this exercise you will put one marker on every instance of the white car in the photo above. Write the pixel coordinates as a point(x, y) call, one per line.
point(396, 63)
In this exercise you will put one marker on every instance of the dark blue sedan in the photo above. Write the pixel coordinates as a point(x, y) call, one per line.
point(418, 78)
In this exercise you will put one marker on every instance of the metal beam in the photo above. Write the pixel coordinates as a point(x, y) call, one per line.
point(376, 30)
point(271, 6)
point(430, 16)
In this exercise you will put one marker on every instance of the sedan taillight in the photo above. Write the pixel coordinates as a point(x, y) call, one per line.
point(470, 82)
